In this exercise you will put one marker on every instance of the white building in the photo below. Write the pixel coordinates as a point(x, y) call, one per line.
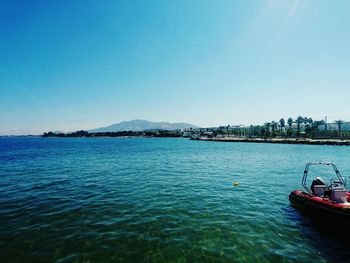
point(334, 127)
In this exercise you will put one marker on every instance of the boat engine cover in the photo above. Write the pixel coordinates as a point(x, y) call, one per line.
point(317, 181)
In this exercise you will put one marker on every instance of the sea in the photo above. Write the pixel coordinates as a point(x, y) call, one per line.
point(161, 200)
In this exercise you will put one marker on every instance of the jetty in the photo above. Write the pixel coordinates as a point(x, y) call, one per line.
point(309, 141)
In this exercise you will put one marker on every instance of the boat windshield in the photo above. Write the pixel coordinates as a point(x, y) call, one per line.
point(322, 177)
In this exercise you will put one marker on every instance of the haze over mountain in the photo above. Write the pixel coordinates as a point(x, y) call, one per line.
point(142, 125)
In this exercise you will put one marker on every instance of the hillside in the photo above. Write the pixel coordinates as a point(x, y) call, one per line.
point(142, 125)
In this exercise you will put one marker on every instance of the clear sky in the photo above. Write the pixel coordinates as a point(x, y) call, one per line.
point(68, 65)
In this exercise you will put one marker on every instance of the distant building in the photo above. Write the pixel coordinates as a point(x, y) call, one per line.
point(334, 127)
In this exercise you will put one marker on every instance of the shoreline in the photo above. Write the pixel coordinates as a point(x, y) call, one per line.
point(306, 141)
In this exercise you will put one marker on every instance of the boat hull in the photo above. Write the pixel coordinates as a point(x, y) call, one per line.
point(320, 208)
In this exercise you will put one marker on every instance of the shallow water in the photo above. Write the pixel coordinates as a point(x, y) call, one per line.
point(173, 200)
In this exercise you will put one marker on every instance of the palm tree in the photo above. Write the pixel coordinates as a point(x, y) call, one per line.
point(262, 130)
point(299, 121)
point(228, 130)
point(339, 123)
point(267, 126)
point(306, 120)
point(251, 130)
point(274, 127)
point(290, 122)
point(282, 123)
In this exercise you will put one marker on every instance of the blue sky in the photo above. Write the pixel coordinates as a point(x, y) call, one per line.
point(68, 65)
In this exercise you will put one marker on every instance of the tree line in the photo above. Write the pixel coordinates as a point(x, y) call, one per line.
point(298, 127)
point(82, 133)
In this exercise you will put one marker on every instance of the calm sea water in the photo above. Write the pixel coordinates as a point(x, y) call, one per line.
point(167, 200)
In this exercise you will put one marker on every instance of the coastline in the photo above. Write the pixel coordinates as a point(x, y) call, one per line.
point(307, 141)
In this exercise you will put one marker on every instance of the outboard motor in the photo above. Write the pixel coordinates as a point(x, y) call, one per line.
point(318, 186)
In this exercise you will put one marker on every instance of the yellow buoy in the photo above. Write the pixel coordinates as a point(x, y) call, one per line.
point(235, 184)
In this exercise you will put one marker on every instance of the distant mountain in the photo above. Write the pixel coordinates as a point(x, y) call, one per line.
point(142, 125)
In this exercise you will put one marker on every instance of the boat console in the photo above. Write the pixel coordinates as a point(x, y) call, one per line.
point(338, 192)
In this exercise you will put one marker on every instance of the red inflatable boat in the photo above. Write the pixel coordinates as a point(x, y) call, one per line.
point(328, 202)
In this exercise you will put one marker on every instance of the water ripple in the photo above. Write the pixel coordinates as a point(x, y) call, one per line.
point(157, 200)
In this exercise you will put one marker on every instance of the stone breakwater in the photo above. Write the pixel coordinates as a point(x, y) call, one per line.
point(279, 140)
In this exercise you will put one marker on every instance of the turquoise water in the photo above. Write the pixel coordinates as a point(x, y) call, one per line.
point(165, 200)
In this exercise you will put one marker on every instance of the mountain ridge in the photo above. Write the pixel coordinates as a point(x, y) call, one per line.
point(143, 125)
